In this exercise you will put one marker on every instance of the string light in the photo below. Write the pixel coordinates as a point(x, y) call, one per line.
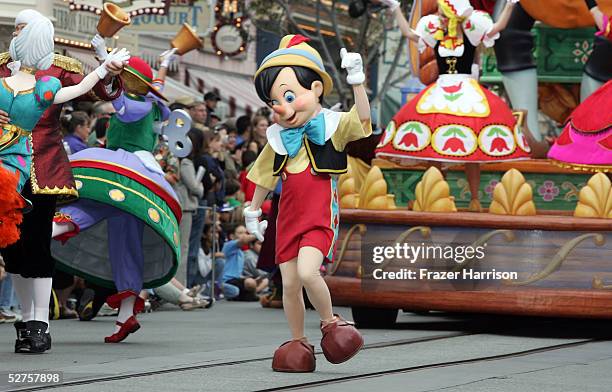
point(75, 5)
point(73, 43)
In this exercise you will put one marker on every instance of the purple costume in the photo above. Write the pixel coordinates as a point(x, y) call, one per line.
point(126, 205)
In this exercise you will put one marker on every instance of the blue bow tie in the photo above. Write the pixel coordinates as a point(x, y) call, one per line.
point(314, 130)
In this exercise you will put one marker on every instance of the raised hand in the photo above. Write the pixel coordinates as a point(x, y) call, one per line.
point(353, 64)
point(99, 46)
point(117, 55)
point(167, 57)
point(112, 59)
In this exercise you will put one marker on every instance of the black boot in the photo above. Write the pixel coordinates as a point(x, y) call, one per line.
point(35, 338)
point(20, 327)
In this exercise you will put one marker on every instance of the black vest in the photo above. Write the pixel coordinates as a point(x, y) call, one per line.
point(323, 159)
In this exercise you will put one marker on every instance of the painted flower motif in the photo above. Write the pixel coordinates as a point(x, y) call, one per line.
point(582, 51)
point(410, 139)
point(454, 143)
point(548, 190)
point(498, 143)
point(491, 187)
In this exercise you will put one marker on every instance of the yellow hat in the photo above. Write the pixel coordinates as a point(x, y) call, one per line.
point(293, 50)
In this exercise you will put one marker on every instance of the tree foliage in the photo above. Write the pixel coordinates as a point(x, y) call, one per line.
point(332, 29)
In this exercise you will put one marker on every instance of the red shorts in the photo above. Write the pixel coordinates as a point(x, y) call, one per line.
point(308, 215)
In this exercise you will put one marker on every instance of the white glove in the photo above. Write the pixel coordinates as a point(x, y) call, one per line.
point(512, 1)
point(99, 46)
point(167, 57)
point(353, 63)
point(116, 55)
point(391, 4)
point(252, 223)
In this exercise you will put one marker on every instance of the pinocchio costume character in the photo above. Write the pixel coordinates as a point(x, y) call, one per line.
point(305, 151)
point(123, 232)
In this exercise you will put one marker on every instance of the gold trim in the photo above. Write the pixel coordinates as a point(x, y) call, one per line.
point(582, 167)
point(462, 127)
point(314, 164)
point(482, 135)
point(113, 164)
point(12, 135)
point(275, 173)
point(347, 238)
point(558, 259)
point(398, 131)
point(37, 190)
point(64, 62)
point(68, 63)
point(589, 133)
point(382, 142)
point(4, 57)
point(28, 70)
point(9, 88)
point(129, 190)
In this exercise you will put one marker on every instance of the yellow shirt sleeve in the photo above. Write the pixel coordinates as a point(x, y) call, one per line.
point(350, 128)
point(262, 171)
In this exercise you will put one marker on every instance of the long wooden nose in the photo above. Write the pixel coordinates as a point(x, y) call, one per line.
point(279, 109)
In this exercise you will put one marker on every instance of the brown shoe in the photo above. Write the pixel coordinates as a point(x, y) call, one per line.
point(341, 340)
point(294, 356)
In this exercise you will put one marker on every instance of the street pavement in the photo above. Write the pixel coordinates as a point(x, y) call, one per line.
point(229, 348)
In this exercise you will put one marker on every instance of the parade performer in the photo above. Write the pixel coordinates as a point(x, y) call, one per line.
point(454, 120)
point(123, 231)
point(603, 21)
point(306, 150)
point(49, 177)
point(515, 55)
point(586, 141)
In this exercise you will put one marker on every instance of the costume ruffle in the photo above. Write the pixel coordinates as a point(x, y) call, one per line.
point(454, 120)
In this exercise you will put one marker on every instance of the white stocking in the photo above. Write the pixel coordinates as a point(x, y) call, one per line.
point(42, 296)
point(25, 294)
point(126, 310)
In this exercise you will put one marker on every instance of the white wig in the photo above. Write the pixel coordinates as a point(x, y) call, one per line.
point(27, 16)
point(34, 44)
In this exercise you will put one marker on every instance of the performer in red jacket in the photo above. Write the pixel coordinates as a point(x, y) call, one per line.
point(51, 180)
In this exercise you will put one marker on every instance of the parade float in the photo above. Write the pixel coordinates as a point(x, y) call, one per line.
point(544, 231)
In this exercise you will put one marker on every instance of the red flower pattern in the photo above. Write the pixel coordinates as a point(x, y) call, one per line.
point(454, 144)
point(499, 144)
point(410, 139)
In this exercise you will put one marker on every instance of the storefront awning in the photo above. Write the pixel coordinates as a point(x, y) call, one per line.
point(235, 90)
point(175, 89)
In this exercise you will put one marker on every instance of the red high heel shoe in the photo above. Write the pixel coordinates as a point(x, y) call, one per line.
point(129, 326)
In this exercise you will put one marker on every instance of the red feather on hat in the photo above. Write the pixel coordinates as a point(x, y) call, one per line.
point(297, 39)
